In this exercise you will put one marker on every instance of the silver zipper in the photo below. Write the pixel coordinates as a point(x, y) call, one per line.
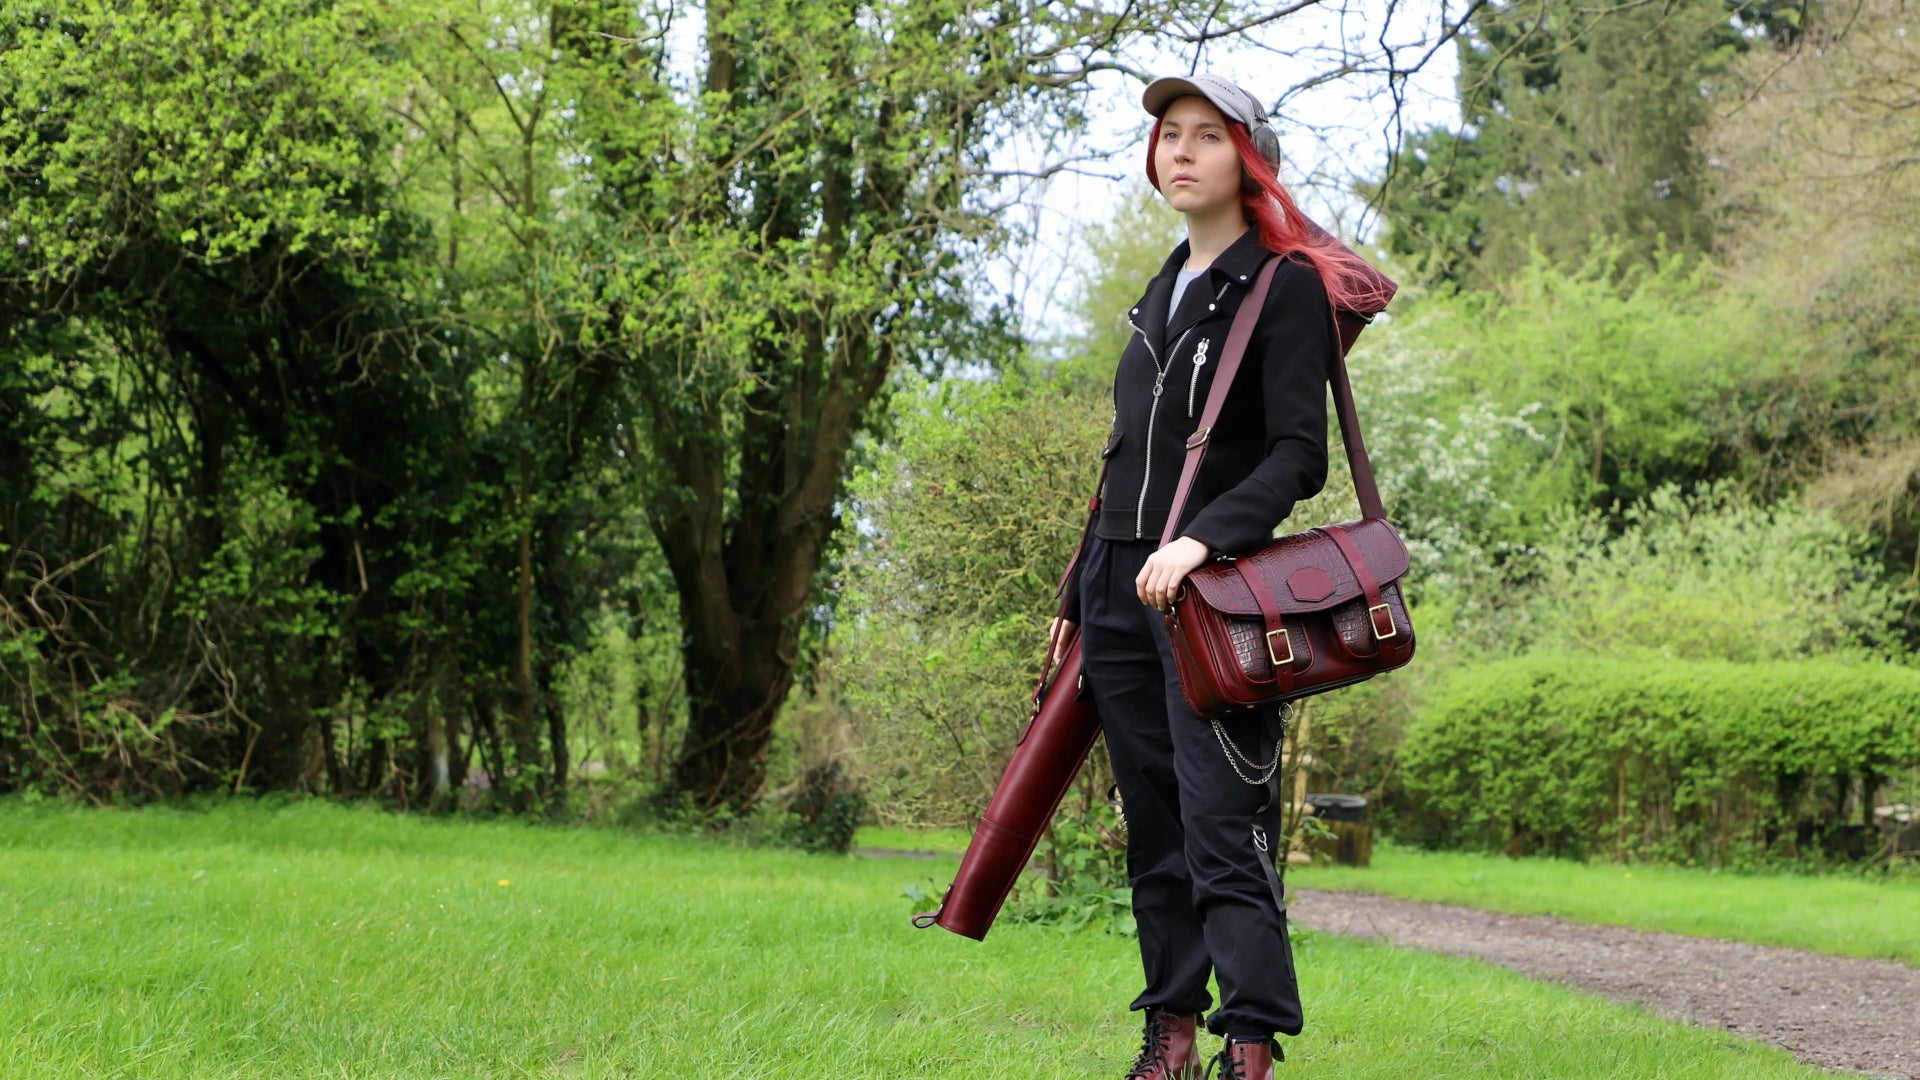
point(1193, 384)
point(1146, 477)
point(1159, 383)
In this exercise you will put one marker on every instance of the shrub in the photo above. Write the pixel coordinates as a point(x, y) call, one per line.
point(1709, 762)
point(1078, 878)
point(1707, 576)
point(966, 526)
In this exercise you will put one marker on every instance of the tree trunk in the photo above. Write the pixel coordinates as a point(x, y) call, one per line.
point(731, 709)
point(525, 788)
point(554, 786)
point(438, 771)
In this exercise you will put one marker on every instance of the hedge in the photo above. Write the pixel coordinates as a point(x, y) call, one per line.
point(1705, 762)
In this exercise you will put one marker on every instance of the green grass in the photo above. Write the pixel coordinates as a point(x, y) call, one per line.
point(1847, 915)
point(940, 841)
point(315, 941)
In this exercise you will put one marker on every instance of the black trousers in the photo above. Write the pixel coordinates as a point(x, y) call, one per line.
point(1202, 900)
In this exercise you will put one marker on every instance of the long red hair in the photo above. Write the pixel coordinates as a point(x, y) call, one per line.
point(1285, 230)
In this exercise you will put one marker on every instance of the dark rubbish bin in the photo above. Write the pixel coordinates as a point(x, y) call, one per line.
point(1338, 807)
point(1345, 816)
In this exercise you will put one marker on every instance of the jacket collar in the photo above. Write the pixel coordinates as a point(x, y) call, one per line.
point(1242, 259)
point(1234, 266)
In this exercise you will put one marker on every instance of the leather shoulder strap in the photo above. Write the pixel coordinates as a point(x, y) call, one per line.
point(1237, 338)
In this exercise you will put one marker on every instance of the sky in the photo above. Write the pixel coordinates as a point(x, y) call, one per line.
point(1329, 134)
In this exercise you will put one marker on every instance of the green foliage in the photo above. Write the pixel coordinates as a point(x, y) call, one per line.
point(1575, 122)
point(1707, 576)
point(772, 244)
point(363, 348)
point(825, 810)
point(1478, 407)
point(1079, 877)
point(1628, 371)
point(1118, 257)
point(1817, 203)
point(1488, 413)
point(972, 517)
point(225, 129)
point(1462, 460)
point(1700, 761)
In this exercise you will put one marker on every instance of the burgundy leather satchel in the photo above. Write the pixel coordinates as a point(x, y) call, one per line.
point(1306, 613)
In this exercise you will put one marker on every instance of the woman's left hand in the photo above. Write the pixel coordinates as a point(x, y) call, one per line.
point(1166, 569)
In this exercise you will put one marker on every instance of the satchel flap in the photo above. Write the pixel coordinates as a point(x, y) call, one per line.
point(1305, 571)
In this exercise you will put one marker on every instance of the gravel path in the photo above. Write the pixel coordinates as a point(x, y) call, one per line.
point(1833, 1011)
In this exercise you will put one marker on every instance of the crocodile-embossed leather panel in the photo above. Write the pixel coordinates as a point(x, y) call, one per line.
point(1249, 638)
point(1220, 584)
point(1356, 628)
point(1250, 648)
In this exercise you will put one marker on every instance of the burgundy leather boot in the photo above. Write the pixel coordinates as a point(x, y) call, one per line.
point(1167, 1052)
point(1247, 1059)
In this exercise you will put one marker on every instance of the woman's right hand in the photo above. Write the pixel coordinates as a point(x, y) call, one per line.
point(1061, 634)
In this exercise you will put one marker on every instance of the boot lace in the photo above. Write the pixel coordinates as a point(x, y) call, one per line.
point(1229, 1066)
point(1153, 1045)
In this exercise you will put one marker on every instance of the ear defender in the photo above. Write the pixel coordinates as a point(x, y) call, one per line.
point(1267, 142)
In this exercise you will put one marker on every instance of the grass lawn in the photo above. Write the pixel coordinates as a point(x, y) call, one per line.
point(943, 841)
point(314, 940)
point(1847, 915)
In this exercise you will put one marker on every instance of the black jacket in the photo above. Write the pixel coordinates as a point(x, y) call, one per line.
point(1268, 450)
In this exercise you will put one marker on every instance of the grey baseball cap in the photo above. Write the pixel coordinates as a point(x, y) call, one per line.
point(1236, 103)
point(1233, 103)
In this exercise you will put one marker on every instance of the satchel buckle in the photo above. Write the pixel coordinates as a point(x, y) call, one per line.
point(1393, 630)
point(1199, 438)
point(1287, 639)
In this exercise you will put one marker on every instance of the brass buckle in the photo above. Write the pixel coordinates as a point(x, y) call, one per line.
point(1199, 438)
point(1393, 630)
point(1277, 661)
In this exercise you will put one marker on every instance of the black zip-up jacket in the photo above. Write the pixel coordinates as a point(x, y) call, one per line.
point(1267, 452)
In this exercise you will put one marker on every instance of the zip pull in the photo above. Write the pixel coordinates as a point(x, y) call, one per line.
point(1193, 381)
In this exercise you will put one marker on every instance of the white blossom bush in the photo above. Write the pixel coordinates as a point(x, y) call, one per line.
point(1458, 473)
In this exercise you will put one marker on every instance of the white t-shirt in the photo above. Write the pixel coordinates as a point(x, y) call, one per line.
point(1180, 282)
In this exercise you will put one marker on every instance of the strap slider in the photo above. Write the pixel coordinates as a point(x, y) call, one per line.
point(1199, 438)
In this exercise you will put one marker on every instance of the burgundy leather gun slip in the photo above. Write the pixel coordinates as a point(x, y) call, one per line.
point(1045, 761)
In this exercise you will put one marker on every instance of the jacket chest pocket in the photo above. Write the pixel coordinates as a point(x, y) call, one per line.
point(1206, 336)
point(1201, 359)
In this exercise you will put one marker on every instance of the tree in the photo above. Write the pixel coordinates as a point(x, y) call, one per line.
point(282, 454)
point(1576, 122)
point(375, 343)
point(201, 260)
point(782, 235)
point(1817, 196)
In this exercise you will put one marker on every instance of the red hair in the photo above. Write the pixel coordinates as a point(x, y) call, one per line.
point(1349, 280)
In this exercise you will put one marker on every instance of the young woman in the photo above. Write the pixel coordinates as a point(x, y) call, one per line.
point(1203, 901)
